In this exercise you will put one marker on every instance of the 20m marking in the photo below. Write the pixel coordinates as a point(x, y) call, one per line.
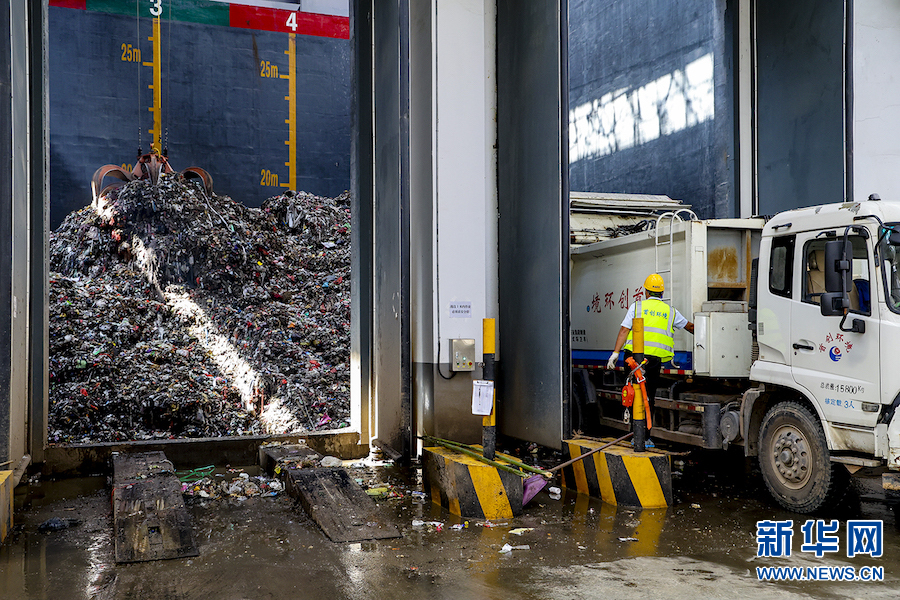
point(268, 179)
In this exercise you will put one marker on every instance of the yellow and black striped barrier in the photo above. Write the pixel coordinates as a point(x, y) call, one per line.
point(619, 475)
point(470, 488)
point(6, 503)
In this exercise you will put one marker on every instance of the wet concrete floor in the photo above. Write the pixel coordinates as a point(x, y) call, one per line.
point(577, 547)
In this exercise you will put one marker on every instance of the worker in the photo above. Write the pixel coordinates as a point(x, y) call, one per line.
point(660, 319)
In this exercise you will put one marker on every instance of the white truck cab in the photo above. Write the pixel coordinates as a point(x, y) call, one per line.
point(827, 319)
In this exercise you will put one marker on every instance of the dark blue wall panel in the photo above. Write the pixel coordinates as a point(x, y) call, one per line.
point(6, 213)
point(639, 52)
point(218, 112)
point(534, 228)
point(800, 103)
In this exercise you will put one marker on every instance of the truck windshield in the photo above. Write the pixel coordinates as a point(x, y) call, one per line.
point(890, 260)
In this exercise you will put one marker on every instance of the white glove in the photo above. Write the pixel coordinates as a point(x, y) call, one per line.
point(612, 361)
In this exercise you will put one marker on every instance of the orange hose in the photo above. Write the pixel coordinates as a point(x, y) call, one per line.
point(646, 404)
point(632, 364)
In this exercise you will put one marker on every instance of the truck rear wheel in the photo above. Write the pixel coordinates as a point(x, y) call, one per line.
point(794, 459)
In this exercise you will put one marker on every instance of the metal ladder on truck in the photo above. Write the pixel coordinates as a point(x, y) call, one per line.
point(672, 218)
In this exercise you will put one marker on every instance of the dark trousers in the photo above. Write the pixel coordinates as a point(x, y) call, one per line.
point(651, 374)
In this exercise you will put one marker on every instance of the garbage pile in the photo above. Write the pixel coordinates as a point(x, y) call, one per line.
point(178, 314)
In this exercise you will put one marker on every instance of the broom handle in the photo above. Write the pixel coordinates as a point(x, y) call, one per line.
point(586, 454)
point(475, 455)
point(502, 457)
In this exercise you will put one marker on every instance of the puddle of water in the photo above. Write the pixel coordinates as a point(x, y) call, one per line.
point(704, 546)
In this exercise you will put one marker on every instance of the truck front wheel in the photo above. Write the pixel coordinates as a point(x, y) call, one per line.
point(794, 459)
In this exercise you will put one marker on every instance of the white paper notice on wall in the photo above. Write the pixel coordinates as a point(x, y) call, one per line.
point(482, 397)
point(460, 310)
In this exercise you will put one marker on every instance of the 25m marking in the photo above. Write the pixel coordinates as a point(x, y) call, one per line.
point(130, 53)
point(268, 70)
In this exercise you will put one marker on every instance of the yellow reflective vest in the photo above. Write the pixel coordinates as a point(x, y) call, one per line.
point(658, 318)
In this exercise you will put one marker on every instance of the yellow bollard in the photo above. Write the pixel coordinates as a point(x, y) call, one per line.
point(637, 338)
point(489, 422)
point(639, 418)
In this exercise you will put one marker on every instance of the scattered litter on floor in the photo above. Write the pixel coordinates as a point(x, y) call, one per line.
point(240, 488)
point(430, 525)
point(192, 475)
point(507, 548)
point(57, 524)
point(490, 524)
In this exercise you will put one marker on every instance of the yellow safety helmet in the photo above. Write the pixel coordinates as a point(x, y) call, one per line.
point(654, 283)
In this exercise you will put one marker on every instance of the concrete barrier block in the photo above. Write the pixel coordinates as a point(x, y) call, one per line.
point(6, 503)
point(470, 488)
point(619, 475)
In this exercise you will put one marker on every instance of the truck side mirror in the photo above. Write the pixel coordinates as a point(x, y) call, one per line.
point(836, 267)
point(894, 238)
point(836, 299)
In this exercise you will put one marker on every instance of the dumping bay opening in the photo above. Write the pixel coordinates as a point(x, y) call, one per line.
point(175, 312)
